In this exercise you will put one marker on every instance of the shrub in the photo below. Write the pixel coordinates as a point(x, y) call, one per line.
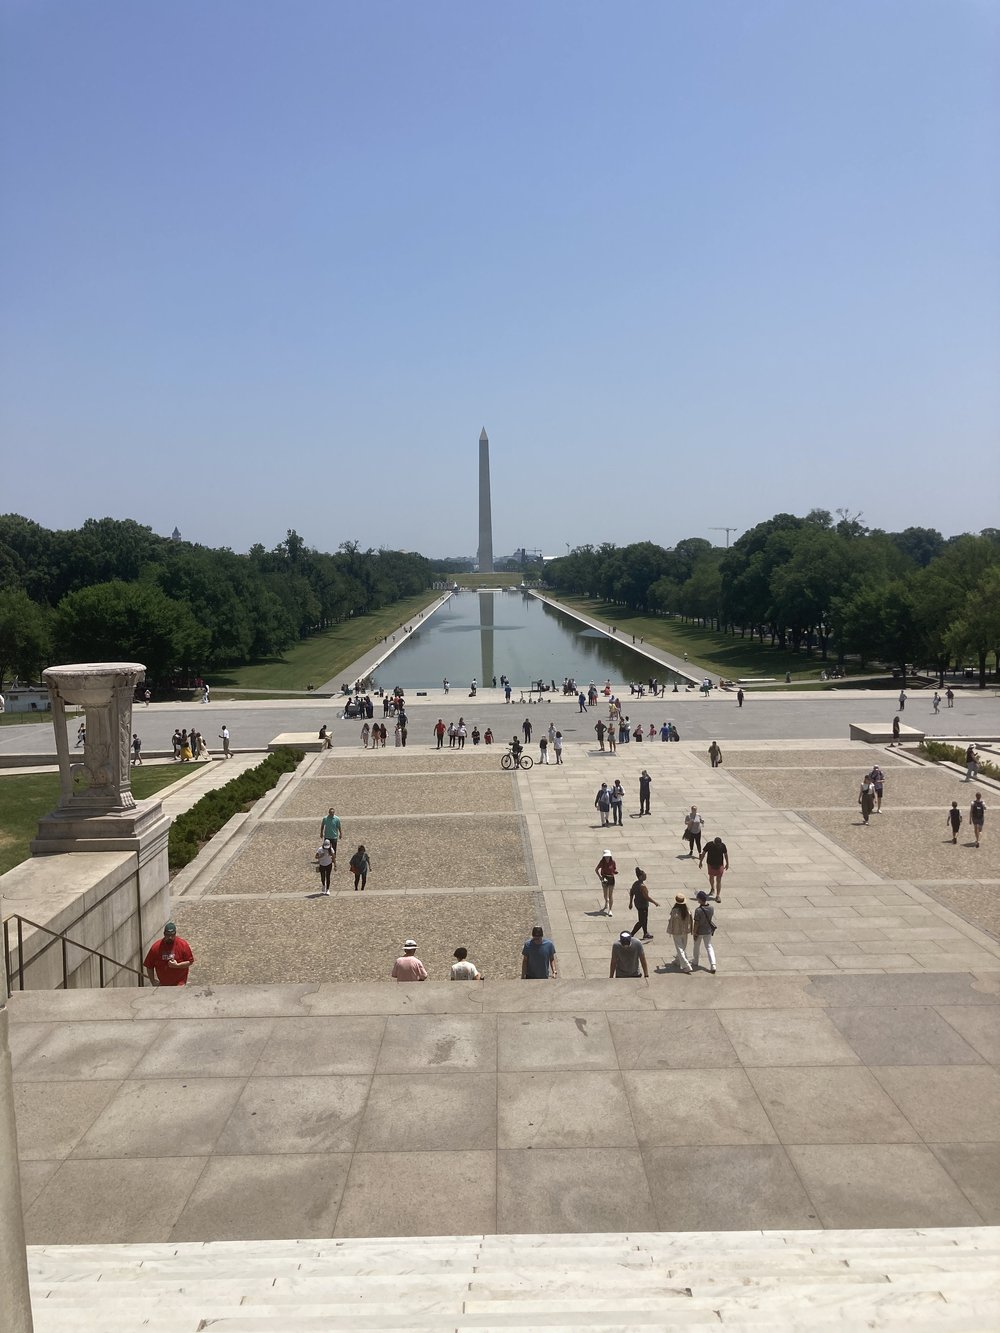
point(939, 752)
point(193, 828)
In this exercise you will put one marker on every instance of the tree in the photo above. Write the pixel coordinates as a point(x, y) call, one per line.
point(879, 620)
point(135, 622)
point(24, 636)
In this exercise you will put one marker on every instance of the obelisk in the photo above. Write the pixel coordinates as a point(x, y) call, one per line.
point(485, 513)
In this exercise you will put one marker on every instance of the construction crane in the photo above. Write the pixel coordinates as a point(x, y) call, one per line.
point(727, 531)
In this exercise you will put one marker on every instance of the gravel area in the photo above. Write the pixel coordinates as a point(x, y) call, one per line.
point(415, 759)
point(858, 757)
point(457, 851)
point(978, 903)
point(903, 787)
point(412, 794)
point(913, 844)
point(355, 938)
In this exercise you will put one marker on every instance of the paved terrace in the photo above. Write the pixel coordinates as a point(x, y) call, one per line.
point(841, 1069)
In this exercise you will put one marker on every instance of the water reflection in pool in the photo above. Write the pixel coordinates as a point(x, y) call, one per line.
point(510, 633)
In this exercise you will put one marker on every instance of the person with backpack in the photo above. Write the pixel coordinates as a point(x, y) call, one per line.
point(360, 864)
point(602, 803)
point(639, 899)
point(606, 870)
point(617, 798)
point(977, 816)
point(954, 818)
point(704, 929)
point(679, 927)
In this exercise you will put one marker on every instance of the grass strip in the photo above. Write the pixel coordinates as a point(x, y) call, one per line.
point(26, 798)
point(705, 651)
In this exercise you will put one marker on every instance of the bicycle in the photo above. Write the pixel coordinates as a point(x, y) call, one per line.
point(523, 760)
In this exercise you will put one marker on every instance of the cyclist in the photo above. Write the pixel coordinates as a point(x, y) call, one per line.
point(515, 748)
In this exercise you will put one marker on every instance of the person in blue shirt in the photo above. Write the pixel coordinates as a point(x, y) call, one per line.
point(538, 957)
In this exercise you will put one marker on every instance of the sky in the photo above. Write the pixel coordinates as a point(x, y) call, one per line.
point(271, 264)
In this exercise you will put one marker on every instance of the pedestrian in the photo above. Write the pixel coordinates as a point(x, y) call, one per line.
point(461, 732)
point(600, 728)
point(954, 818)
point(526, 728)
point(538, 957)
point(146, 696)
point(739, 698)
point(582, 701)
point(224, 737)
point(902, 700)
point(488, 737)
point(382, 734)
point(408, 967)
point(936, 702)
point(169, 959)
point(360, 864)
point(679, 927)
point(878, 782)
point(365, 731)
point(186, 755)
point(324, 736)
point(439, 731)
point(552, 735)
point(543, 749)
point(329, 831)
point(206, 695)
point(136, 749)
point(704, 929)
point(716, 853)
point(977, 816)
point(602, 803)
point(610, 738)
point(476, 735)
point(557, 745)
point(627, 957)
point(895, 732)
point(506, 693)
point(606, 870)
point(617, 800)
point(693, 825)
point(445, 684)
point(639, 898)
point(324, 861)
point(463, 969)
point(397, 736)
point(949, 694)
point(645, 782)
point(175, 741)
point(866, 797)
point(971, 764)
point(714, 753)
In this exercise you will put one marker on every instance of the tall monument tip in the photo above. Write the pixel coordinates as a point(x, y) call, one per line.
point(483, 437)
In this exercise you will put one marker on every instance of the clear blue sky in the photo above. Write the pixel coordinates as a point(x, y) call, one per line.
point(271, 265)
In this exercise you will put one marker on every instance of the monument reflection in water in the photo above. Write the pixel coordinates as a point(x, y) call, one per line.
point(487, 634)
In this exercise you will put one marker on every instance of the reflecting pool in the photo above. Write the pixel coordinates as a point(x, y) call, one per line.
point(507, 632)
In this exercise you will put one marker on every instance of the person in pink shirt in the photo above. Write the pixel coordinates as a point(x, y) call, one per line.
point(409, 967)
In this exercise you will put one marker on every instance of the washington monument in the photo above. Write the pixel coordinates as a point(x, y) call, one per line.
point(485, 514)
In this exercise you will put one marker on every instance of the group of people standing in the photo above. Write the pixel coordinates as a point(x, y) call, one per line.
point(325, 857)
point(628, 957)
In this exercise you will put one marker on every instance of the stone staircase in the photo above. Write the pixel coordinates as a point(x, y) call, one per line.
point(934, 1279)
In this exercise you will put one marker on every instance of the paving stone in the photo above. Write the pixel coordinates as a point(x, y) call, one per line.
point(564, 1109)
point(295, 1115)
point(178, 1117)
point(94, 1201)
point(260, 1197)
point(786, 1037)
point(840, 1105)
point(572, 1190)
point(419, 1194)
point(908, 1035)
point(430, 1112)
point(954, 1104)
point(52, 1117)
point(704, 1188)
point(711, 1106)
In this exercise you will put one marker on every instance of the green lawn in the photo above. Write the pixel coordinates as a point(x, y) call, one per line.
point(24, 800)
point(709, 653)
point(323, 656)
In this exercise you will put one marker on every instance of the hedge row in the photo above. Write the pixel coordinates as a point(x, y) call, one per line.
point(193, 828)
point(940, 753)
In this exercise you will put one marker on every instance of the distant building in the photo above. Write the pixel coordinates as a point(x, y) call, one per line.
point(175, 536)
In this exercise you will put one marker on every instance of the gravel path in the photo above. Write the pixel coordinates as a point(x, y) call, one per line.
point(411, 794)
point(355, 937)
point(912, 844)
point(859, 757)
point(805, 790)
point(414, 760)
point(453, 851)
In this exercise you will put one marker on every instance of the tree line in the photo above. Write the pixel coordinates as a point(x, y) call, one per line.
point(115, 590)
point(818, 584)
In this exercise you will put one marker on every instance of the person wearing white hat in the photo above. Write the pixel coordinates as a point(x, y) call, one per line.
point(606, 870)
point(409, 967)
point(324, 862)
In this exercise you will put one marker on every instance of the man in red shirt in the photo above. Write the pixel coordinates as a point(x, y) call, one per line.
point(439, 730)
point(169, 958)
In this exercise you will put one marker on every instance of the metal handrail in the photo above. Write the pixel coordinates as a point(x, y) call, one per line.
point(23, 921)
